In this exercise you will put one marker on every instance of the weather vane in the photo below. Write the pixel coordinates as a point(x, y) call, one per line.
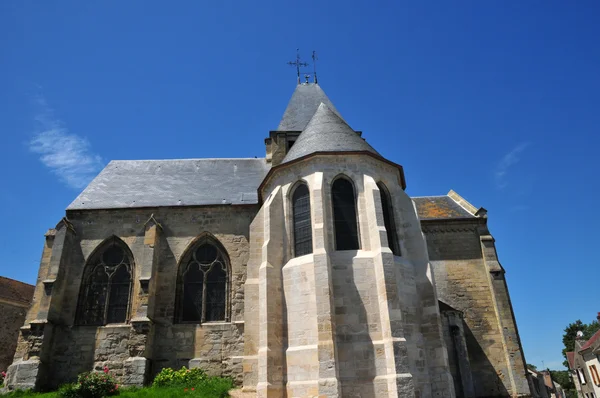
point(298, 63)
point(314, 58)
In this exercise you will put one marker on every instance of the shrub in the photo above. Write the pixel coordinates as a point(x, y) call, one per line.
point(91, 385)
point(182, 377)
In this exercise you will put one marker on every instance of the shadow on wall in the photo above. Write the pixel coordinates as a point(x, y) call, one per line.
point(174, 346)
point(73, 353)
point(355, 349)
point(487, 382)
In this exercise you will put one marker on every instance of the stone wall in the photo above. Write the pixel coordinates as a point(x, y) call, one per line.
point(465, 280)
point(341, 323)
point(12, 318)
point(158, 239)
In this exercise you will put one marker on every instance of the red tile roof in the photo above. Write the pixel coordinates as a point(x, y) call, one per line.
point(16, 291)
point(591, 341)
point(571, 359)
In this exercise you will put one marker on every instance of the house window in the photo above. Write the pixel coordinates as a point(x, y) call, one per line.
point(594, 373)
point(388, 218)
point(203, 284)
point(581, 376)
point(106, 289)
point(301, 219)
point(344, 215)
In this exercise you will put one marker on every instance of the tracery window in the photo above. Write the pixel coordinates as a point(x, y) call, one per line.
point(344, 215)
point(203, 285)
point(301, 219)
point(388, 218)
point(106, 288)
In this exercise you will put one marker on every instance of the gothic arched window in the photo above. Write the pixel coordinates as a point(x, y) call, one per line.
point(301, 219)
point(344, 215)
point(106, 288)
point(203, 284)
point(388, 218)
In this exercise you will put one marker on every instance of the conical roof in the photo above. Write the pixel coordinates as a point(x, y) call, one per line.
point(327, 132)
point(302, 107)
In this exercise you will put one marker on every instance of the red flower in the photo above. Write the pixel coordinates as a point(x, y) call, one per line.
point(105, 369)
point(193, 388)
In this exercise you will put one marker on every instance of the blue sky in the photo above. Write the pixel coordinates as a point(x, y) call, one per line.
point(498, 100)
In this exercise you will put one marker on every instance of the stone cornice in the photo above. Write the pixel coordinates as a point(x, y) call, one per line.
point(444, 229)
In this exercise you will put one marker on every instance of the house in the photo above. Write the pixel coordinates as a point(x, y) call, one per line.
point(585, 366)
point(15, 298)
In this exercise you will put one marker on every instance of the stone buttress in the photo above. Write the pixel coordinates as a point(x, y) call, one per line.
point(340, 323)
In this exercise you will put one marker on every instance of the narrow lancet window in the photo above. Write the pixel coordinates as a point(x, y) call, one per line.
point(302, 225)
point(388, 219)
point(344, 215)
point(105, 293)
point(203, 284)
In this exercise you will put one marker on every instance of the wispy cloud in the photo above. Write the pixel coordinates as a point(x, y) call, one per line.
point(507, 161)
point(68, 155)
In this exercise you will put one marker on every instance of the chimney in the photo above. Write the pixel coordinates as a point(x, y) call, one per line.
point(598, 317)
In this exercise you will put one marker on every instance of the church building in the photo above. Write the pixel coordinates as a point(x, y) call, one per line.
point(309, 272)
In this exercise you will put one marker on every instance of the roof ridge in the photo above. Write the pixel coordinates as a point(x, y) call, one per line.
point(462, 202)
point(171, 160)
point(16, 291)
point(590, 341)
point(16, 280)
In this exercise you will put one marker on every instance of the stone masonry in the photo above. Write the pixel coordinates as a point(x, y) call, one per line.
point(470, 280)
point(151, 337)
point(354, 324)
point(15, 299)
point(430, 318)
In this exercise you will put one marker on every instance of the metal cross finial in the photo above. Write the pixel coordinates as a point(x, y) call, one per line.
point(297, 63)
point(314, 58)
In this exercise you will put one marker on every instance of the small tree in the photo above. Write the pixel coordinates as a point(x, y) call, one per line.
point(531, 367)
point(563, 378)
point(571, 333)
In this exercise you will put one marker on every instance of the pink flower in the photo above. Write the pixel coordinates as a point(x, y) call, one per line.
point(105, 369)
point(193, 388)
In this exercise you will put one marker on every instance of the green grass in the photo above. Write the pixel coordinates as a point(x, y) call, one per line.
point(31, 394)
point(175, 392)
point(214, 388)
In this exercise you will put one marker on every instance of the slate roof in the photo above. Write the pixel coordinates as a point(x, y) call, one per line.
point(186, 182)
point(302, 106)
point(13, 290)
point(327, 132)
point(439, 207)
point(591, 341)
